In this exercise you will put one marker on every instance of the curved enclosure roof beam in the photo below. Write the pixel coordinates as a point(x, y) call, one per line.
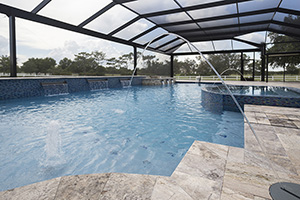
point(191, 8)
point(220, 17)
point(247, 42)
point(167, 43)
point(97, 14)
point(124, 26)
point(142, 34)
point(40, 6)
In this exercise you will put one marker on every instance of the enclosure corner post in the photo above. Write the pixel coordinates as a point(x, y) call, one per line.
point(242, 67)
point(267, 69)
point(253, 72)
point(135, 60)
point(283, 73)
point(263, 66)
point(12, 46)
point(172, 66)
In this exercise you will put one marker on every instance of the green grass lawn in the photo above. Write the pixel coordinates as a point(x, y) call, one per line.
point(237, 78)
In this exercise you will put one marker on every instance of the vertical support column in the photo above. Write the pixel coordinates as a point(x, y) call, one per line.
point(262, 74)
point(267, 67)
point(242, 67)
point(284, 73)
point(262, 68)
point(135, 60)
point(12, 46)
point(253, 72)
point(172, 66)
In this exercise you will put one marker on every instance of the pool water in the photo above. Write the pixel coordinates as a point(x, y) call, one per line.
point(144, 130)
point(258, 90)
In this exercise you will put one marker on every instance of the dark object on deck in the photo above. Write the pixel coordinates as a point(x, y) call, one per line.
point(285, 191)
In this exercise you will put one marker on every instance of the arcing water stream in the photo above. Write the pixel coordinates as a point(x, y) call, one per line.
point(190, 46)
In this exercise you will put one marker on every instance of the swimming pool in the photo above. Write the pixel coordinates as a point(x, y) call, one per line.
point(142, 129)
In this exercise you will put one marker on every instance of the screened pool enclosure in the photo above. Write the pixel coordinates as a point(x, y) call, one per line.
point(214, 26)
point(258, 140)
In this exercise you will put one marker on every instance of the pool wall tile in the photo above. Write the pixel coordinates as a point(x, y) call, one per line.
point(13, 88)
point(210, 101)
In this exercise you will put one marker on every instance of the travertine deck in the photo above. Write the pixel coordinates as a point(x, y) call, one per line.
point(208, 171)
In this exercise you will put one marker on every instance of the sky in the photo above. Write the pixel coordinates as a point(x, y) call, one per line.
point(39, 41)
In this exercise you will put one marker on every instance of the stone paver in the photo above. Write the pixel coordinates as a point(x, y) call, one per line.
point(81, 186)
point(43, 190)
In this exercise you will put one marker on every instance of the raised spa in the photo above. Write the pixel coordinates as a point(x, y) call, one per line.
point(217, 98)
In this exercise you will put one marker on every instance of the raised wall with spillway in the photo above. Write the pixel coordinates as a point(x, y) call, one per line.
point(13, 88)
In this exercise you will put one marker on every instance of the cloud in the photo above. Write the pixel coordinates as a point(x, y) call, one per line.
point(25, 5)
point(71, 11)
point(170, 18)
point(134, 29)
point(223, 45)
point(202, 46)
point(146, 6)
point(162, 57)
point(193, 2)
point(21, 59)
point(41, 36)
point(257, 37)
point(71, 47)
point(4, 49)
point(4, 31)
point(214, 11)
point(68, 50)
point(38, 40)
point(111, 19)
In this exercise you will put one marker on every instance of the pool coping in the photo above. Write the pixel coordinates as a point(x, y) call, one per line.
point(207, 171)
point(208, 89)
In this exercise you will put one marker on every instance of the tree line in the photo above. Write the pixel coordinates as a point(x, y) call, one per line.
point(283, 43)
point(97, 64)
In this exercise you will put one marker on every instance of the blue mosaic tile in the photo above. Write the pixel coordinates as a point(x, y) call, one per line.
point(98, 84)
point(209, 101)
point(20, 88)
point(212, 101)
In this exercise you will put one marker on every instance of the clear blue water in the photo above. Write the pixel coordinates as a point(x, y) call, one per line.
point(145, 130)
point(258, 90)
